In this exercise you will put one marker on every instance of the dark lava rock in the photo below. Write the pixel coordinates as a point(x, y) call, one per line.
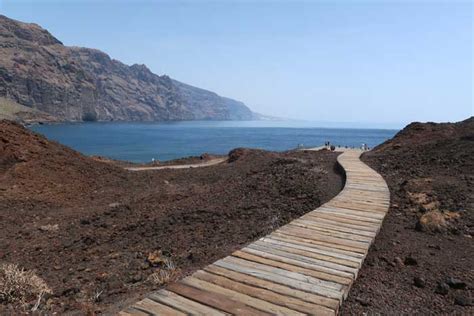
point(362, 301)
point(442, 288)
point(463, 300)
point(455, 283)
point(399, 261)
point(85, 222)
point(419, 282)
point(70, 291)
point(410, 261)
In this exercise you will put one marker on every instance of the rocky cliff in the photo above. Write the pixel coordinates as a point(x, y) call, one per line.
point(74, 83)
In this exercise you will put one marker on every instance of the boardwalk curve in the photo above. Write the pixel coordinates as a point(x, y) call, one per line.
point(304, 267)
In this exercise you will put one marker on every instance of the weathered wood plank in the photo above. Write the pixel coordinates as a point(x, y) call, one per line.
point(302, 256)
point(242, 267)
point(325, 279)
point(301, 262)
point(334, 227)
point(130, 311)
point(216, 300)
point(293, 304)
point(318, 246)
point(340, 221)
point(257, 303)
point(154, 308)
point(320, 242)
point(183, 304)
point(303, 232)
point(276, 287)
point(325, 252)
point(306, 253)
point(332, 232)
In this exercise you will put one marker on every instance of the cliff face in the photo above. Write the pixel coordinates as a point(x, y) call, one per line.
point(72, 83)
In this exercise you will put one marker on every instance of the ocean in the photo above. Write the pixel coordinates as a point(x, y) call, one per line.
point(142, 142)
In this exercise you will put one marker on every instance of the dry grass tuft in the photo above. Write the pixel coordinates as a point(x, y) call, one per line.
point(167, 273)
point(18, 286)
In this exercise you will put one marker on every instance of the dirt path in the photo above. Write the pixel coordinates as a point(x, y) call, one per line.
point(211, 162)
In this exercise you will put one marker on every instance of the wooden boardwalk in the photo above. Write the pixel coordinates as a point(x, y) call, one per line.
point(304, 267)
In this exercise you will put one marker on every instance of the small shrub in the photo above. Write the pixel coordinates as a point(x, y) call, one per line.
point(18, 286)
point(167, 273)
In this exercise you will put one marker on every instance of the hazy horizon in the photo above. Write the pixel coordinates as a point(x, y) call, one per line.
point(387, 63)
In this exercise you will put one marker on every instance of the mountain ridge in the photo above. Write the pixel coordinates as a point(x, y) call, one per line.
point(77, 83)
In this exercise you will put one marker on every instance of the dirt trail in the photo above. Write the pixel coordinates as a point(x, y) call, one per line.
point(208, 163)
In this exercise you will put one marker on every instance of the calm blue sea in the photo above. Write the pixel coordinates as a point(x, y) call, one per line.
point(140, 142)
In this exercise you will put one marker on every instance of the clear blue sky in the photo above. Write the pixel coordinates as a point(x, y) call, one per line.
point(373, 61)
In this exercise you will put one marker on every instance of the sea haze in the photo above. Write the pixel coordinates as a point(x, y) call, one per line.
point(141, 142)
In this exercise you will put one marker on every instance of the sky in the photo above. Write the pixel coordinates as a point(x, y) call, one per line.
point(381, 61)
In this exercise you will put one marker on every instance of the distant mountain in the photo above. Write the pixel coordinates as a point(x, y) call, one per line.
point(75, 84)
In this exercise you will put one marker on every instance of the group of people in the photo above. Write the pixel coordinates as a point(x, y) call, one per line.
point(328, 145)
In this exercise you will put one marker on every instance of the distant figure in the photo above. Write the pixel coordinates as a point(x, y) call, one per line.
point(333, 147)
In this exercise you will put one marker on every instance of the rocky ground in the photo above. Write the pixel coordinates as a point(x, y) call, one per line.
point(101, 237)
point(422, 260)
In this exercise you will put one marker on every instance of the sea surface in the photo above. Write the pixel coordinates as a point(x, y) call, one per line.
point(142, 142)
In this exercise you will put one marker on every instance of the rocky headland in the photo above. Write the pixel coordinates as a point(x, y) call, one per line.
point(82, 84)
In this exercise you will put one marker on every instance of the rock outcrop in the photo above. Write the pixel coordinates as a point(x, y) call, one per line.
point(74, 83)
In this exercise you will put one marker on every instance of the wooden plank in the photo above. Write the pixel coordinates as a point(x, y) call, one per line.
point(325, 252)
point(335, 240)
point(326, 279)
point(360, 213)
point(130, 311)
point(337, 220)
point(300, 262)
point(318, 300)
point(320, 242)
point(306, 253)
point(377, 205)
point(330, 286)
point(334, 227)
point(242, 267)
point(349, 215)
point(331, 232)
point(215, 300)
point(299, 241)
point(154, 308)
point(357, 196)
point(293, 304)
point(257, 303)
point(303, 256)
point(379, 210)
point(183, 304)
